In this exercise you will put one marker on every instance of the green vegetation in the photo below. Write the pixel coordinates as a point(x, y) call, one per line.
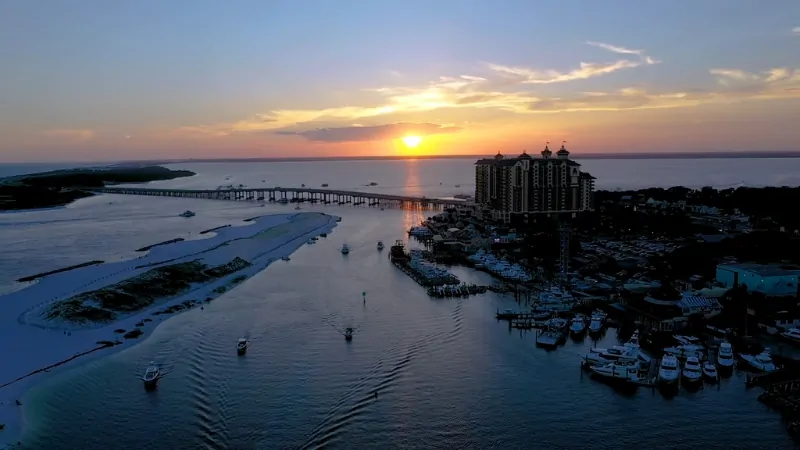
point(57, 188)
point(140, 292)
point(133, 334)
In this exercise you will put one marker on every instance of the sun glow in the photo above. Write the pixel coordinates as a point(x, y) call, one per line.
point(412, 141)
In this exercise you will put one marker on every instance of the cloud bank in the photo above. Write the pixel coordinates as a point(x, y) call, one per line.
point(371, 133)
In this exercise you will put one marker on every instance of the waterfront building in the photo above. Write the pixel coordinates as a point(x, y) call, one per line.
point(522, 185)
point(770, 280)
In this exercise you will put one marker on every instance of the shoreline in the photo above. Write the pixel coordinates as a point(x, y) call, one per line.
point(70, 344)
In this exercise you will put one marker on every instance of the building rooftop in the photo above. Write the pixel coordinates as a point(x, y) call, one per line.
point(761, 269)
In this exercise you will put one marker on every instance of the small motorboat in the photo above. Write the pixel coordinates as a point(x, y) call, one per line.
point(669, 371)
point(710, 371)
point(323, 235)
point(380, 245)
point(725, 356)
point(187, 213)
point(692, 373)
point(596, 325)
point(285, 258)
point(310, 241)
point(324, 184)
point(151, 375)
point(297, 207)
point(241, 346)
point(345, 249)
point(762, 361)
point(348, 334)
point(578, 326)
point(792, 335)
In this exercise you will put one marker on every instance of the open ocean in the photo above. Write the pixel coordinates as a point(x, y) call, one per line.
point(448, 375)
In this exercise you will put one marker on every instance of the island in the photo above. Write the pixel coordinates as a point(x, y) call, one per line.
point(61, 187)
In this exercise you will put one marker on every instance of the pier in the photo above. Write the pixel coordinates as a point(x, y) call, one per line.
point(290, 195)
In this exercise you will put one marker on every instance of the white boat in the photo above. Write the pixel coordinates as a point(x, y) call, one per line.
point(151, 374)
point(762, 361)
point(629, 349)
point(710, 371)
point(310, 241)
point(549, 338)
point(380, 245)
point(187, 213)
point(792, 334)
point(345, 249)
point(596, 324)
point(692, 372)
point(725, 355)
point(241, 345)
point(669, 371)
point(577, 326)
point(622, 370)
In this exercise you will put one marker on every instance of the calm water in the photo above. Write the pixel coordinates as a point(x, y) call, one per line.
point(447, 374)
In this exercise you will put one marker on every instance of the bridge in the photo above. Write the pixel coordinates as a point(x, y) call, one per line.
point(291, 195)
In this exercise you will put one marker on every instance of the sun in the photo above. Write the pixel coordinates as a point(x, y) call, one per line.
point(412, 141)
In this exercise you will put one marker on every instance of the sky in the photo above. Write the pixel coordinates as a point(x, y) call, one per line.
point(99, 80)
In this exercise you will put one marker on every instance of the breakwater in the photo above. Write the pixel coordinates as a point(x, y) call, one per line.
point(65, 269)
point(171, 241)
point(211, 230)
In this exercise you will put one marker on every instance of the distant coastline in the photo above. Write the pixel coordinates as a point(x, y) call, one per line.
point(671, 155)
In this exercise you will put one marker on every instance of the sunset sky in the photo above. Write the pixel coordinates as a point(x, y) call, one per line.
point(95, 80)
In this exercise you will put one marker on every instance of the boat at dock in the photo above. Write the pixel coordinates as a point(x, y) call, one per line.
point(622, 370)
point(553, 334)
point(380, 245)
point(187, 213)
point(710, 371)
point(577, 326)
point(725, 356)
point(692, 372)
point(241, 346)
point(151, 375)
point(630, 349)
point(792, 335)
point(508, 314)
point(345, 249)
point(669, 370)
point(762, 362)
point(686, 351)
point(596, 324)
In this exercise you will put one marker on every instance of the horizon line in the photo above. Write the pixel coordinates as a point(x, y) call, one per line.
point(638, 155)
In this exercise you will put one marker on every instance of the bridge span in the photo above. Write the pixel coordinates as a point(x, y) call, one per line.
point(290, 195)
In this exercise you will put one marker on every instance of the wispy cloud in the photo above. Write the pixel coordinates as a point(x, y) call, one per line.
point(507, 89)
point(78, 135)
point(357, 133)
point(585, 70)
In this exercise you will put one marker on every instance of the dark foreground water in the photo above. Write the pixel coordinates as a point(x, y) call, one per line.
point(448, 375)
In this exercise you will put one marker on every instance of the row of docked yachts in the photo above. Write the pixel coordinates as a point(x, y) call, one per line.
point(555, 329)
point(684, 364)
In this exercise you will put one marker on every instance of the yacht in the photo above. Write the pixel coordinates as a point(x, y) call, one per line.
point(669, 371)
point(629, 349)
point(380, 245)
point(762, 361)
point(710, 371)
point(553, 334)
point(151, 375)
point(623, 370)
point(692, 372)
point(345, 249)
point(596, 324)
point(348, 334)
point(578, 326)
point(792, 334)
point(187, 213)
point(685, 351)
point(241, 345)
point(725, 355)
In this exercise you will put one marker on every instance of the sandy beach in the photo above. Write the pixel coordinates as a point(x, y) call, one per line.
point(35, 346)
